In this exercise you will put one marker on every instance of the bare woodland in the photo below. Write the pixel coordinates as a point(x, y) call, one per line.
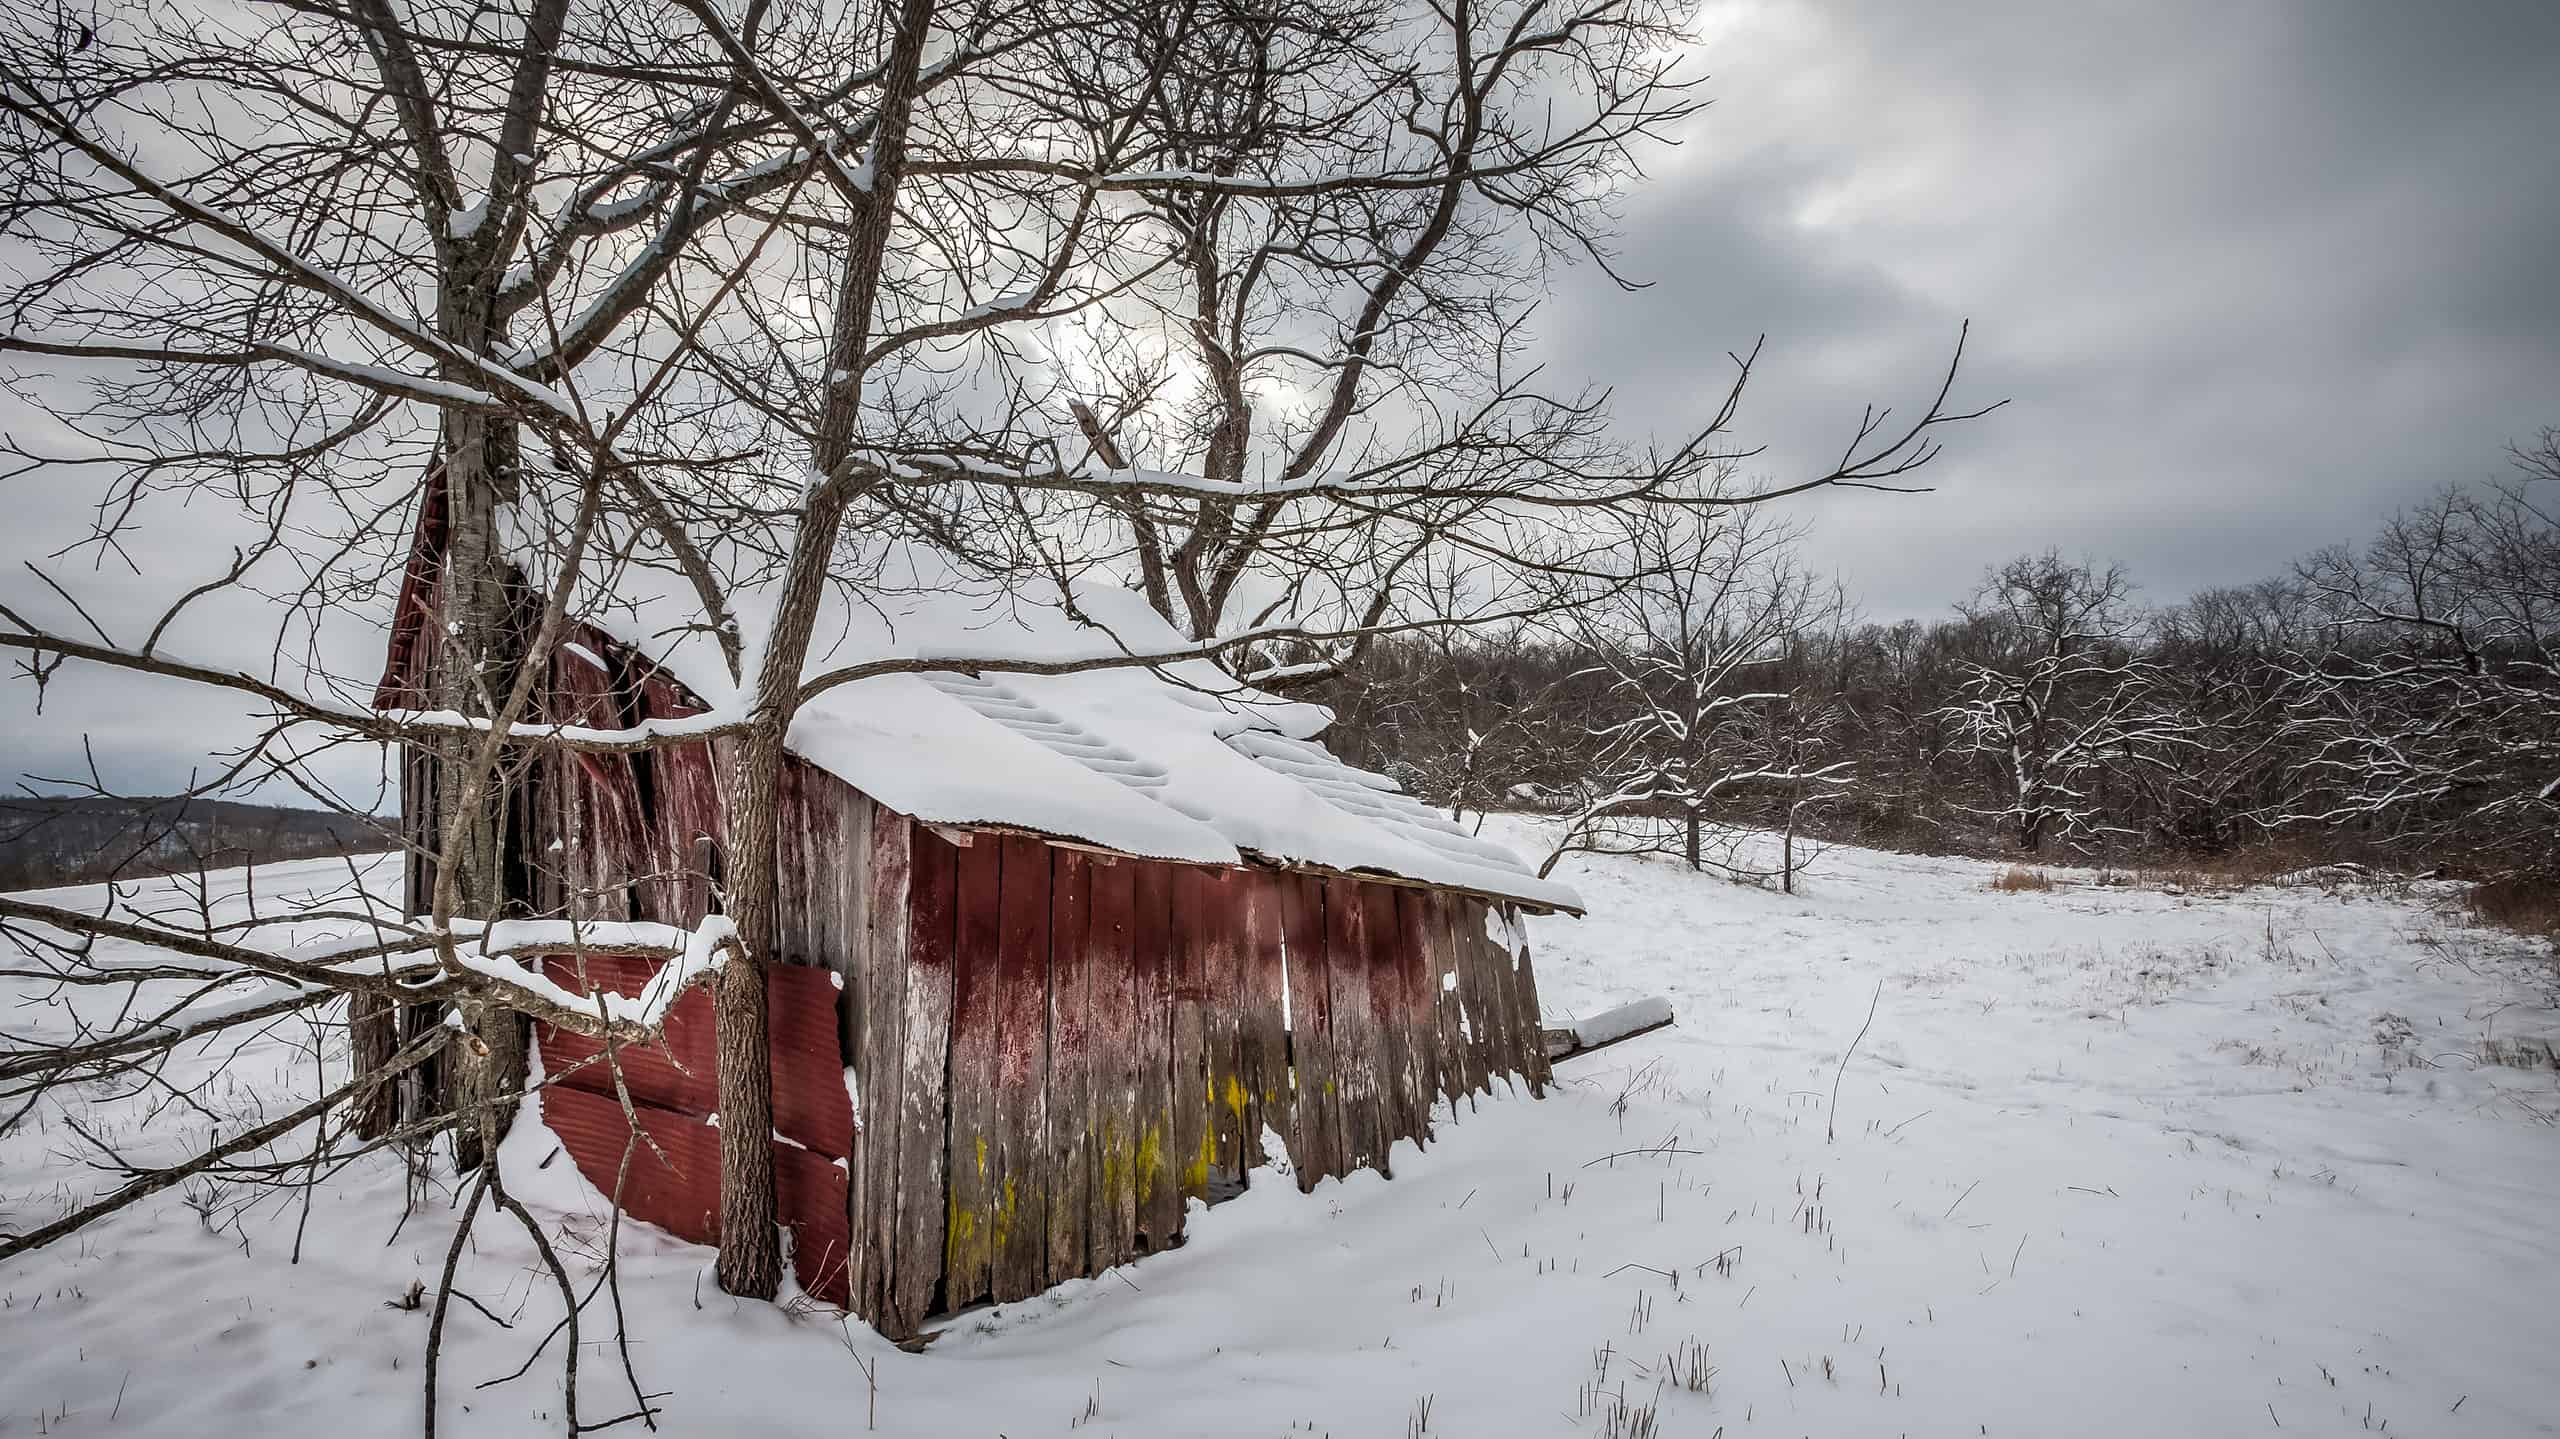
point(1224, 303)
point(2389, 704)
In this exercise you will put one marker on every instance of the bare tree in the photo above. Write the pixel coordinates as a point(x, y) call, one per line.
point(2061, 699)
point(2433, 706)
point(1707, 605)
point(1360, 204)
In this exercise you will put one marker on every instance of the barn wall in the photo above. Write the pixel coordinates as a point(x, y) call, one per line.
point(1055, 1050)
point(673, 1094)
point(1065, 1048)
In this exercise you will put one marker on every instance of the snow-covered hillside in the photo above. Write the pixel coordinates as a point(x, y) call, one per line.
point(2108, 1161)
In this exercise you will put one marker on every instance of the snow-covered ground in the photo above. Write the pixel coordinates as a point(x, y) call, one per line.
point(2108, 1162)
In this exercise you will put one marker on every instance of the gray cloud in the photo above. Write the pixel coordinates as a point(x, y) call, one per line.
point(2251, 276)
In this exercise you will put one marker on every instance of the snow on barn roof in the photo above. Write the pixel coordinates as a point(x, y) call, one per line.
point(1174, 761)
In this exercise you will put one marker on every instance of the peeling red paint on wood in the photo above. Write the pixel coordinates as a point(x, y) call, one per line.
point(923, 1111)
point(1068, 1173)
point(1158, 1193)
point(1355, 1038)
point(1315, 1134)
point(1020, 1189)
point(1194, 920)
point(1262, 1029)
point(969, 1244)
point(1113, 989)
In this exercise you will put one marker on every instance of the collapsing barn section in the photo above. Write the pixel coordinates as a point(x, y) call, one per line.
point(1055, 1050)
point(1053, 952)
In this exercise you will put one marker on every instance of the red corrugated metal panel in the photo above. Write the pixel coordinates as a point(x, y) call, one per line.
point(809, 1100)
point(679, 1193)
point(678, 1075)
point(810, 1193)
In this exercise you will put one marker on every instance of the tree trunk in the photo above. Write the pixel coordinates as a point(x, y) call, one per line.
point(1696, 859)
point(486, 1064)
point(750, 1252)
point(1787, 854)
point(750, 1245)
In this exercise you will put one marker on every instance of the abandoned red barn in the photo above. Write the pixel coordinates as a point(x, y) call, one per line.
point(1056, 950)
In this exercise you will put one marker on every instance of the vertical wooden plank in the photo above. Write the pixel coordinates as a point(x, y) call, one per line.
point(1380, 940)
point(1355, 1040)
point(1022, 1071)
point(1502, 1011)
point(969, 1244)
point(884, 962)
point(923, 1058)
point(1222, 1020)
point(1475, 990)
point(1158, 1194)
point(1262, 1059)
point(1421, 1017)
point(1114, 1226)
point(1459, 1077)
point(1315, 1101)
point(1194, 920)
point(1068, 1172)
point(1530, 1025)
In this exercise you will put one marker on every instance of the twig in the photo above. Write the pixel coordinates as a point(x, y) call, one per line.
point(1831, 1129)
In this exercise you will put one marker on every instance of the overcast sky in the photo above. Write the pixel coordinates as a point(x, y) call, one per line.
point(2250, 275)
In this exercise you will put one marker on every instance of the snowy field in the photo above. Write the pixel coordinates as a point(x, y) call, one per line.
point(2108, 1162)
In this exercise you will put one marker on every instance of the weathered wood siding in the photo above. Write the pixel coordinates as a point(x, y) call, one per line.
point(1051, 1051)
point(1102, 1039)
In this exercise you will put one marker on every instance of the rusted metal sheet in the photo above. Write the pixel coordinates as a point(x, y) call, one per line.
point(1021, 1267)
point(922, 1059)
point(675, 1074)
point(809, 1197)
point(1113, 995)
point(673, 1179)
point(1158, 1194)
point(1262, 1034)
point(675, 1185)
point(810, 1106)
point(1315, 1106)
point(1068, 1172)
point(969, 1243)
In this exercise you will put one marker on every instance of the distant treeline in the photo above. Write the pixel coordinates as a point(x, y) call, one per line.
point(2397, 701)
point(53, 841)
